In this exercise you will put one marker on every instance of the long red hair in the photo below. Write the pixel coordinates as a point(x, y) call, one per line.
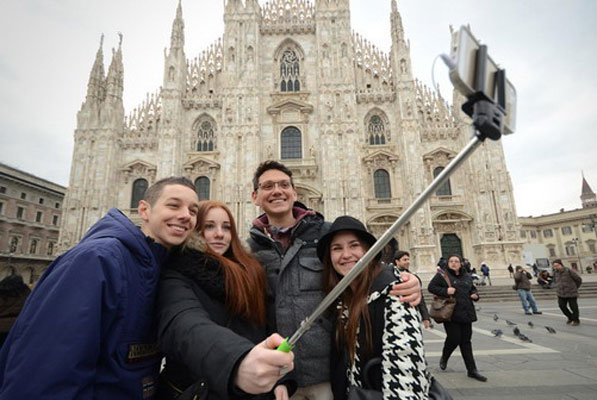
point(354, 298)
point(244, 277)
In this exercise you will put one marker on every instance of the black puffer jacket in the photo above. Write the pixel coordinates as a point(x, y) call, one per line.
point(464, 311)
point(195, 329)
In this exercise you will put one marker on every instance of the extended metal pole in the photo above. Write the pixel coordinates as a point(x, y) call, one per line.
point(384, 239)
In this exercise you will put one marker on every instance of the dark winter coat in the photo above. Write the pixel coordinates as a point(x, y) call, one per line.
point(294, 289)
point(464, 310)
point(87, 330)
point(202, 342)
point(522, 280)
point(384, 332)
point(567, 282)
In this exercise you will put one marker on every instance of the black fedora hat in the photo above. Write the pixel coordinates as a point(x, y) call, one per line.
point(344, 223)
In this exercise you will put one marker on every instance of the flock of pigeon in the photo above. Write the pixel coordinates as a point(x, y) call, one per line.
point(498, 332)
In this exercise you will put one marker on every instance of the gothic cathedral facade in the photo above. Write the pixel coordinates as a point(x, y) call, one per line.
point(290, 81)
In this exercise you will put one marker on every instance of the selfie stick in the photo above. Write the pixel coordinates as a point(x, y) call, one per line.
point(488, 123)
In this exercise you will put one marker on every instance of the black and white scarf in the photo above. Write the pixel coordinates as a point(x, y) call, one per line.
point(404, 368)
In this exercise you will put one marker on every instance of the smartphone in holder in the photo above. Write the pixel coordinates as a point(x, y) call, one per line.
point(462, 74)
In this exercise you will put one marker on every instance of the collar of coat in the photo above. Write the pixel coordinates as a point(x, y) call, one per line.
point(202, 269)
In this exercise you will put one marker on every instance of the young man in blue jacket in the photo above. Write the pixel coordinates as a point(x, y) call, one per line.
point(87, 329)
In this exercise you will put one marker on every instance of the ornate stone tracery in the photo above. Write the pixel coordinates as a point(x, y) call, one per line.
point(205, 138)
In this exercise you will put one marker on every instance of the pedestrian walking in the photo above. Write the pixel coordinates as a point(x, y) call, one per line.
point(485, 272)
point(522, 284)
point(459, 330)
point(567, 282)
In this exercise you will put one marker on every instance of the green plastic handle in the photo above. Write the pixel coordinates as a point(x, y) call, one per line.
point(285, 347)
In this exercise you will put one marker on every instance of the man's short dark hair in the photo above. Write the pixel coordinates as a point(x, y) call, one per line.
point(400, 253)
point(153, 193)
point(266, 166)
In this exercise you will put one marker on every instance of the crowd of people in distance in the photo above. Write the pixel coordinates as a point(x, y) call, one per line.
point(181, 308)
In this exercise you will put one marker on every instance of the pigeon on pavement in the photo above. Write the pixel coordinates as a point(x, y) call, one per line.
point(550, 329)
point(531, 324)
point(497, 332)
point(510, 323)
point(495, 317)
point(524, 338)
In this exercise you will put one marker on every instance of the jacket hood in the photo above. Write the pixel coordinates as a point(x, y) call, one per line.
point(116, 225)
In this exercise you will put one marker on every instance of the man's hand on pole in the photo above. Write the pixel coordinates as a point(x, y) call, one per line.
point(263, 366)
point(409, 290)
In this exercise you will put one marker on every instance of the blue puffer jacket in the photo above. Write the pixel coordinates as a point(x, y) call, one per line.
point(86, 331)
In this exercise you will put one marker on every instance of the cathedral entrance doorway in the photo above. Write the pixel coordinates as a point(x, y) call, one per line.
point(451, 244)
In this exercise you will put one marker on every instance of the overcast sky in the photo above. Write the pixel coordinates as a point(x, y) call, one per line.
point(547, 47)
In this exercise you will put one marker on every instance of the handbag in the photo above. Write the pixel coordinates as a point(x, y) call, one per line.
point(442, 308)
point(436, 390)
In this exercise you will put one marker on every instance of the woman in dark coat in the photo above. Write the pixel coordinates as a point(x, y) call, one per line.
point(372, 328)
point(460, 329)
point(211, 312)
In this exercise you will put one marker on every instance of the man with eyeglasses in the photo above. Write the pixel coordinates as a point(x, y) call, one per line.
point(284, 239)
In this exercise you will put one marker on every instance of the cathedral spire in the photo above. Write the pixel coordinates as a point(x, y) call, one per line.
point(115, 78)
point(400, 53)
point(177, 35)
point(95, 86)
point(396, 21)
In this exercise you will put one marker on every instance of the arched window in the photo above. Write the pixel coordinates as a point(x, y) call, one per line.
point(445, 189)
point(381, 180)
point(139, 188)
point(289, 72)
point(202, 187)
point(291, 143)
point(376, 130)
point(206, 138)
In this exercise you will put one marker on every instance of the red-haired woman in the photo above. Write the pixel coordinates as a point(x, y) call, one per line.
point(211, 314)
point(377, 340)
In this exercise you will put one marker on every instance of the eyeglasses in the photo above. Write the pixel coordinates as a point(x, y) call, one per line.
point(270, 185)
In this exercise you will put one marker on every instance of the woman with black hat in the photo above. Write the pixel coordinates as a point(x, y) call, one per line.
point(378, 340)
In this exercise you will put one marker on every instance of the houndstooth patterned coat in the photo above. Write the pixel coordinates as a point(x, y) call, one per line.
point(397, 339)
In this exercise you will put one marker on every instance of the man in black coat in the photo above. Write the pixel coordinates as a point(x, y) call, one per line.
point(402, 262)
